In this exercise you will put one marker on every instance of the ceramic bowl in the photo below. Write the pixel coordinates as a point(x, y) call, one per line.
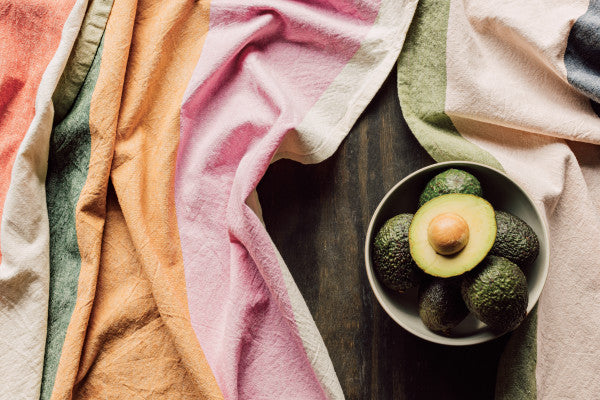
point(504, 194)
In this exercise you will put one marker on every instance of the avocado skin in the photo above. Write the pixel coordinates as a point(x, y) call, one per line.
point(515, 240)
point(441, 306)
point(391, 255)
point(496, 292)
point(450, 181)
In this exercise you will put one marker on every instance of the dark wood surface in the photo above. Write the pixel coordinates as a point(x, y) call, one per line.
point(318, 217)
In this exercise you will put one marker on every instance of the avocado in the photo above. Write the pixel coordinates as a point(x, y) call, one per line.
point(451, 234)
point(450, 181)
point(441, 306)
point(496, 292)
point(391, 255)
point(515, 240)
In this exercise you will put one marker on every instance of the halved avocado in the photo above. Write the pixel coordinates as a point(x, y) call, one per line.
point(451, 234)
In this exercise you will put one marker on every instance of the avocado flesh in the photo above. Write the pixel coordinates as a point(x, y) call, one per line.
point(479, 216)
point(450, 181)
point(515, 240)
point(496, 292)
point(391, 255)
point(441, 306)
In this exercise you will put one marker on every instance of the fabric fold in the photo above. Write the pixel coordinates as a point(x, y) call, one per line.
point(81, 57)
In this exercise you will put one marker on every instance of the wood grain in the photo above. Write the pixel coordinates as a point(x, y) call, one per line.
point(318, 217)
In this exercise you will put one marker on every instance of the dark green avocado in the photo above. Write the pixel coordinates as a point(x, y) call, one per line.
point(441, 306)
point(496, 292)
point(450, 181)
point(391, 255)
point(515, 240)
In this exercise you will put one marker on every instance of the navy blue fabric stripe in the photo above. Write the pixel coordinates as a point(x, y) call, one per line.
point(582, 56)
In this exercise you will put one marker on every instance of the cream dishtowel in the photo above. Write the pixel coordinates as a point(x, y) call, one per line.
point(515, 85)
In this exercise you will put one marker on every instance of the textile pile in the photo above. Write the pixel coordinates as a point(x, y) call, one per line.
point(133, 134)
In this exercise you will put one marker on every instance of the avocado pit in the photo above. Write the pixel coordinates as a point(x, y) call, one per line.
point(448, 233)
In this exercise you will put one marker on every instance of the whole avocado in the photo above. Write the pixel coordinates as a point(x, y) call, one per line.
point(496, 292)
point(391, 255)
point(450, 181)
point(515, 240)
point(441, 306)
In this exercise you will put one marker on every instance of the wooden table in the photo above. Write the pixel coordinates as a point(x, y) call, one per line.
point(318, 217)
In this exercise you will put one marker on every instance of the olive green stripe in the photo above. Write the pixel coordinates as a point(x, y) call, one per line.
point(422, 87)
point(422, 95)
point(516, 369)
point(81, 57)
point(68, 160)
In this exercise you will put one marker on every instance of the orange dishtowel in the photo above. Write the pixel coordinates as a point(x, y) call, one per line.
point(130, 333)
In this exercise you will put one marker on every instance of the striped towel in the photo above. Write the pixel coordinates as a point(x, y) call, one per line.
point(517, 86)
point(135, 259)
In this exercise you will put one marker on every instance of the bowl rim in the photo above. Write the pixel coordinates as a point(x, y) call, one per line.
point(467, 340)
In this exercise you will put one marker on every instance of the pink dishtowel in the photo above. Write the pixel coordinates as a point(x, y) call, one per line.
point(295, 70)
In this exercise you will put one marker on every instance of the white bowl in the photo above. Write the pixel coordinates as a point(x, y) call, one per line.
point(505, 195)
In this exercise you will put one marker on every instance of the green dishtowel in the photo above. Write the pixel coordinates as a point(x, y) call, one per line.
point(68, 159)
